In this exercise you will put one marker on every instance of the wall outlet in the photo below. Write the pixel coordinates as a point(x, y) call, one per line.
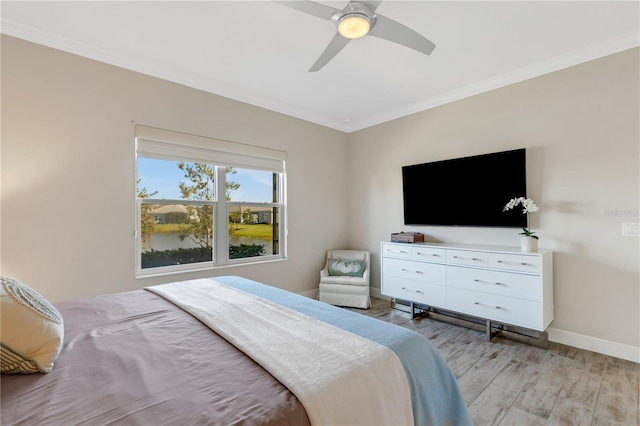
point(631, 229)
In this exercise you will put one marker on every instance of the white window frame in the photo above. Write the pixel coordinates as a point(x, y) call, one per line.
point(163, 144)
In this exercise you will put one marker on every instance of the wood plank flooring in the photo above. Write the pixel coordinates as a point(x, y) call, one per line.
point(510, 383)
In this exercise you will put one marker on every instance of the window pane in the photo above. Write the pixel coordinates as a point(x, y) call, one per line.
point(175, 234)
point(253, 231)
point(255, 186)
point(165, 179)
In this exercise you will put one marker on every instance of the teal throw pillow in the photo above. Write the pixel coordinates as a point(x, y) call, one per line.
point(346, 267)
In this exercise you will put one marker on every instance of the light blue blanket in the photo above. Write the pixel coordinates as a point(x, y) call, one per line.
point(435, 396)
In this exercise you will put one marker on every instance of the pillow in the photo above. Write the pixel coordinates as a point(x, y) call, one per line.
point(32, 330)
point(346, 267)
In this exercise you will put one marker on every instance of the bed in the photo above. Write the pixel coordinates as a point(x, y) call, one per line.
point(219, 352)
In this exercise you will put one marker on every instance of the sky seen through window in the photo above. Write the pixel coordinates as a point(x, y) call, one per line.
point(164, 176)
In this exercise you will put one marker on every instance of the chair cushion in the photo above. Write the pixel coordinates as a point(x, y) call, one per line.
point(346, 267)
point(345, 280)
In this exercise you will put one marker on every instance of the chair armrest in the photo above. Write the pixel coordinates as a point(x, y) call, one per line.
point(365, 275)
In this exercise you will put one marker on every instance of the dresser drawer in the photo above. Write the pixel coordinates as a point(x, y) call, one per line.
point(509, 310)
point(467, 258)
point(414, 291)
point(428, 254)
point(515, 262)
point(495, 282)
point(415, 271)
point(397, 251)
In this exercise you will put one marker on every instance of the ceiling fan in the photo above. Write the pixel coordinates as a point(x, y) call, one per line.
point(358, 19)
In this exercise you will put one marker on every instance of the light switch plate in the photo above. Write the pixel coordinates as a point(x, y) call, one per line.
point(631, 229)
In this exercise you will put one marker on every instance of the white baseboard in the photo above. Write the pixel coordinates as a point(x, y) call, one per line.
point(595, 344)
point(375, 292)
point(311, 294)
point(569, 338)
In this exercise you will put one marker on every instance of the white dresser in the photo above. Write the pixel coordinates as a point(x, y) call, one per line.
point(497, 284)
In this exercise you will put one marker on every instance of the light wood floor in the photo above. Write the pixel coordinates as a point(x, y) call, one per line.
point(510, 383)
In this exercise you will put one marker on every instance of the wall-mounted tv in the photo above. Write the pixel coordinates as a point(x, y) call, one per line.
point(469, 191)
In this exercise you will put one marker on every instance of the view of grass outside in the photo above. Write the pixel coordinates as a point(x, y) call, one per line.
point(257, 231)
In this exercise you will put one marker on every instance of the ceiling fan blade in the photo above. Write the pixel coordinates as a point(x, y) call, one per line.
point(336, 44)
point(311, 8)
point(391, 30)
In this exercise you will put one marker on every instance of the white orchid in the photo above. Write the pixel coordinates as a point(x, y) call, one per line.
point(528, 206)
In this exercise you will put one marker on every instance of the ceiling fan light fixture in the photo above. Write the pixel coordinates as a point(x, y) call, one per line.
point(354, 26)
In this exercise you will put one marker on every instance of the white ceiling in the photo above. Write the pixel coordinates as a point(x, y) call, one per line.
point(259, 51)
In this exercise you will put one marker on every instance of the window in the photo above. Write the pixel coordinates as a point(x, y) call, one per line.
point(254, 213)
point(203, 202)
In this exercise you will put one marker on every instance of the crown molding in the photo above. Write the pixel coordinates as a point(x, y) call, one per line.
point(577, 57)
point(60, 42)
point(56, 41)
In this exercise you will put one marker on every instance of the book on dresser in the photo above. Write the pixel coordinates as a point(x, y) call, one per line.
point(506, 289)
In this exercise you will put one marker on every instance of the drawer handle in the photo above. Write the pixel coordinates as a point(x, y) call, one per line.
point(487, 282)
point(397, 251)
point(410, 289)
point(513, 263)
point(427, 254)
point(406, 270)
point(470, 258)
point(485, 304)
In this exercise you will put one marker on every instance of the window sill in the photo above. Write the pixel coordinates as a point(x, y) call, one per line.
point(173, 271)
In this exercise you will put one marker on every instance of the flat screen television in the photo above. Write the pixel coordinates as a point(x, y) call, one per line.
point(469, 191)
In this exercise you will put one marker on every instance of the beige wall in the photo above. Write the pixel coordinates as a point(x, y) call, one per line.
point(581, 130)
point(68, 182)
